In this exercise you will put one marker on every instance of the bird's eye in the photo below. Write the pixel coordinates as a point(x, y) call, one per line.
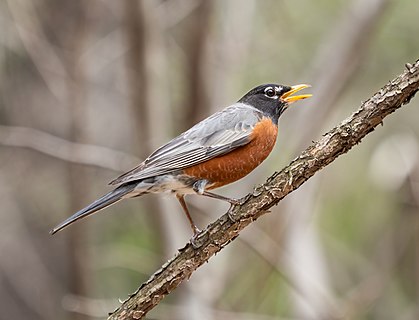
point(270, 92)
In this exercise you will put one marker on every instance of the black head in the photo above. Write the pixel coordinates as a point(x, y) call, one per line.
point(273, 99)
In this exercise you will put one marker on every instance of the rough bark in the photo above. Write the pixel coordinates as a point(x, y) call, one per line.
point(220, 233)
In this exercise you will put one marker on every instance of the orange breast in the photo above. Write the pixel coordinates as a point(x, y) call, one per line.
point(238, 163)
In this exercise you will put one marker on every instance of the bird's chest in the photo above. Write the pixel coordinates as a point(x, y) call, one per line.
point(238, 163)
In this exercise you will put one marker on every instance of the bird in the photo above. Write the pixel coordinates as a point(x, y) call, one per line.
point(219, 150)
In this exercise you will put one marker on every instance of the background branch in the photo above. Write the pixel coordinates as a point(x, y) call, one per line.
point(218, 234)
point(80, 153)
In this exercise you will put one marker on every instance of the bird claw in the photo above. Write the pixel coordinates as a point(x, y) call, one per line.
point(198, 238)
point(231, 217)
point(195, 230)
point(234, 202)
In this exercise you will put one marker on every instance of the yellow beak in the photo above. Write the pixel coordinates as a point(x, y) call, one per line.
point(286, 97)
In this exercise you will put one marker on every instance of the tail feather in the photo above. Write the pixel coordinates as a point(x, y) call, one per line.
point(101, 203)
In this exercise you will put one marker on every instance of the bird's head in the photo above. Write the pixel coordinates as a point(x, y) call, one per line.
point(273, 99)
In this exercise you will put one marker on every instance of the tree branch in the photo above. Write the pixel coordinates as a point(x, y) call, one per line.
point(86, 154)
point(220, 233)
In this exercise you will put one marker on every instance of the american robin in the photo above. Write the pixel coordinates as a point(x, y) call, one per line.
point(219, 150)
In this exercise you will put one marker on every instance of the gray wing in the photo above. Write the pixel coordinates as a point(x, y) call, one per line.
point(216, 135)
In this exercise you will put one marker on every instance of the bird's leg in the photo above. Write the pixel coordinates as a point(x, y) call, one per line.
point(199, 188)
point(181, 199)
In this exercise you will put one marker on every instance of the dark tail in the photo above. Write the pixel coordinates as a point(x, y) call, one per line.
point(99, 204)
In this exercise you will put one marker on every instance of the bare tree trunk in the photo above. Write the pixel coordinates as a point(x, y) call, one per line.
point(140, 86)
point(342, 60)
point(78, 184)
point(197, 101)
point(138, 81)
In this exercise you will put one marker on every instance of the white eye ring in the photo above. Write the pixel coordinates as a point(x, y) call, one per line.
point(270, 92)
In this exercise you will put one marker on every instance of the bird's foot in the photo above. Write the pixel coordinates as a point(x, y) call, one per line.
point(198, 238)
point(234, 202)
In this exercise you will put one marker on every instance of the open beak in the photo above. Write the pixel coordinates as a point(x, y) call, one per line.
point(288, 98)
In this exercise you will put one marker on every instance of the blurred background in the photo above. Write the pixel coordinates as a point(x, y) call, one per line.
point(88, 88)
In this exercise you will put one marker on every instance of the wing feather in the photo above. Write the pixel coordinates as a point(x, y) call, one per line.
point(219, 134)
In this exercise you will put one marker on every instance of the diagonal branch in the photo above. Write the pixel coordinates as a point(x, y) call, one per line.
point(220, 233)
